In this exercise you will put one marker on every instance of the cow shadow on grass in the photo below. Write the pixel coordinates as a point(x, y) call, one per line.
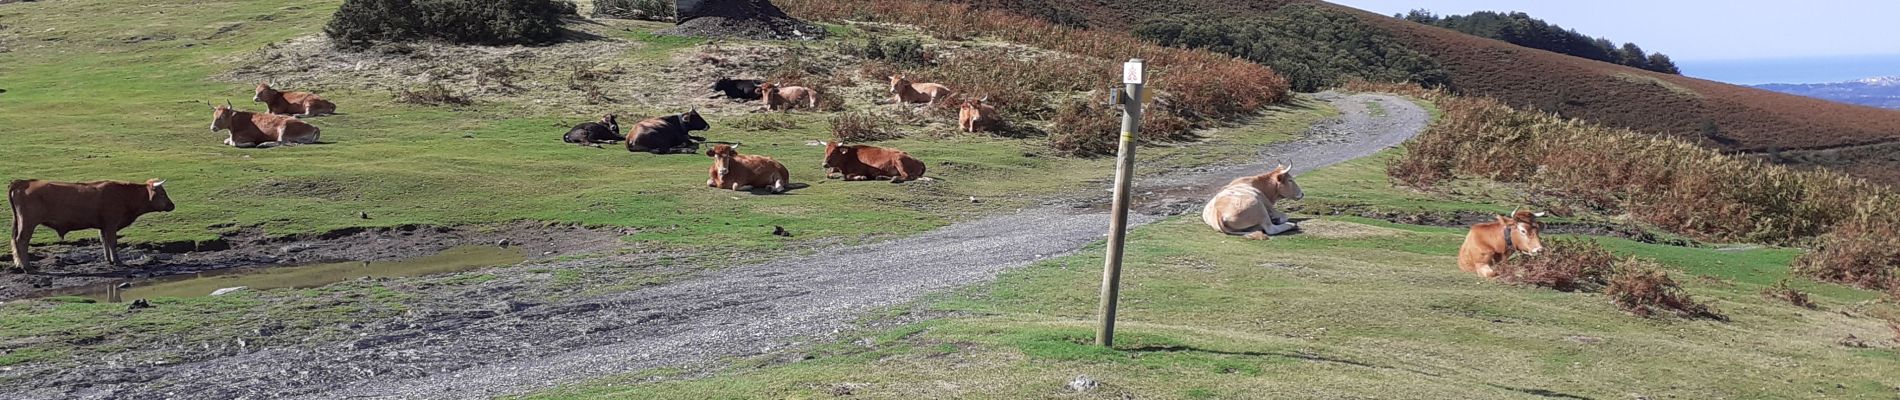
point(767, 191)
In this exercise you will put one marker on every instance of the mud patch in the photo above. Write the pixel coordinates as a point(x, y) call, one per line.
point(67, 266)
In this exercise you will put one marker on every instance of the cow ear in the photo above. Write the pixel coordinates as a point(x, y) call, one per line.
point(709, 153)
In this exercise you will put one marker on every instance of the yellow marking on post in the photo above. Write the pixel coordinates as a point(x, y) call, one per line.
point(1126, 135)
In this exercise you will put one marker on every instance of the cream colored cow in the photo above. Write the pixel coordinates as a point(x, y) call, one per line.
point(1246, 205)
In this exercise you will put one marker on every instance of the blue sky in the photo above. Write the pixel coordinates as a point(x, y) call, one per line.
point(1702, 30)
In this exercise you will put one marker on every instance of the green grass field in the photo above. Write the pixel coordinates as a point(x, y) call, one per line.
point(112, 89)
point(1351, 308)
point(90, 95)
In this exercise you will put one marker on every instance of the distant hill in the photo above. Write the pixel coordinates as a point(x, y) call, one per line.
point(1719, 115)
point(1883, 92)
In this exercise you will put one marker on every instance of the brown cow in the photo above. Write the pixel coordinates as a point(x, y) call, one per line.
point(1247, 206)
point(863, 163)
point(300, 104)
point(977, 115)
point(915, 93)
point(249, 129)
point(788, 97)
point(745, 172)
point(106, 205)
point(1490, 243)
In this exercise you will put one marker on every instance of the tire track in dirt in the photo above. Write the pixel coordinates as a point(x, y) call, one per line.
point(509, 347)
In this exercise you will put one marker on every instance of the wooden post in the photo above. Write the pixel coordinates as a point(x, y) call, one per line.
point(1132, 77)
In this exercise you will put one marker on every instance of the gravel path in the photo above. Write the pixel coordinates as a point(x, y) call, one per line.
point(508, 347)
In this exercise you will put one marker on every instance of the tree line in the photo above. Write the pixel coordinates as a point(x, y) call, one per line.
point(1520, 29)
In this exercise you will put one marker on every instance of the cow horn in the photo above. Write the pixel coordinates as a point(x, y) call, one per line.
point(212, 106)
point(227, 104)
point(161, 183)
point(1539, 214)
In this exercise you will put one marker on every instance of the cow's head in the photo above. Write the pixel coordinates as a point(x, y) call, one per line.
point(766, 88)
point(264, 93)
point(221, 116)
point(1279, 183)
point(835, 153)
point(1525, 231)
point(611, 121)
point(971, 104)
point(155, 196)
point(898, 81)
point(693, 122)
point(722, 156)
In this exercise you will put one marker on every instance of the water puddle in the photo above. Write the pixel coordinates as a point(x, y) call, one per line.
point(302, 276)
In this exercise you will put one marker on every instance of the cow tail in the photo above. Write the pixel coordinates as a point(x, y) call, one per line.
point(15, 192)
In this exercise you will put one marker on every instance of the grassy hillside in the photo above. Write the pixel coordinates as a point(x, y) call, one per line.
point(115, 90)
point(1720, 115)
point(1351, 308)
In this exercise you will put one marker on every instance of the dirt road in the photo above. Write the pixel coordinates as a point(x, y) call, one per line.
point(492, 346)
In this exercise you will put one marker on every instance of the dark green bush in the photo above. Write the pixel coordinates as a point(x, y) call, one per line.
point(650, 10)
point(1084, 128)
point(360, 24)
point(907, 53)
point(1314, 48)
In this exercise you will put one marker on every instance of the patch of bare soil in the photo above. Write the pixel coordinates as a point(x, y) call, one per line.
point(65, 266)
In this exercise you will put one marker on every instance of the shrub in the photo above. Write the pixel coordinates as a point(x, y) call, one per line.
point(650, 10)
point(1566, 265)
point(1862, 253)
point(1643, 288)
point(1852, 225)
point(359, 24)
point(1206, 86)
point(1314, 47)
point(766, 122)
point(432, 95)
point(909, 53)
point(1781, 291)
point(1084, 129)
point(860, 126)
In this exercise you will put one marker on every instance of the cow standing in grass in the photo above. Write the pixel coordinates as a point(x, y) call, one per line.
point(669, 134)
point(254, 130)
point(730, 170)
point(907, 92)
point(106, 205)
point(607, 130)
point(1247, 206)
point(299, 104)
point(977, 116)
point(1490, 243)
point(863, 163)
point(788, 97)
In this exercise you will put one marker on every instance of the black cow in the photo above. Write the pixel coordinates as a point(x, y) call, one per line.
point(743, 89)
point(670, 134)
point(607, 130)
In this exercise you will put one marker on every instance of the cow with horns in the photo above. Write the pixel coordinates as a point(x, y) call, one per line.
point(299, 104)
point(254, 130)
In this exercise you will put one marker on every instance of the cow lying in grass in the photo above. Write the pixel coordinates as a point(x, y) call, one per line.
point(106, 205)
point(730, 170)
point(607, 130)
point(254, 130)
point(789, 97)
point(300, 104)
point(907, 92)
point(1246, 206)
point(977, 116)
point(742, 89)
point(1490, 243)
point(669, 134)
point(863, 163)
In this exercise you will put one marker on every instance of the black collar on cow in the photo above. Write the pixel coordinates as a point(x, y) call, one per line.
point(1508, 247)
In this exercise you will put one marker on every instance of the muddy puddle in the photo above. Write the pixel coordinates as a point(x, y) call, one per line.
point(301, 276)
